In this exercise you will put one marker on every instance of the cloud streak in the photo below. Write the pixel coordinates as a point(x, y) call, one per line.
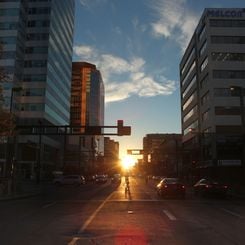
point(174, 21)
point(124, 78)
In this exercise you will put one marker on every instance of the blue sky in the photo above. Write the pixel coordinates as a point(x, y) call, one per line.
point(137, 45)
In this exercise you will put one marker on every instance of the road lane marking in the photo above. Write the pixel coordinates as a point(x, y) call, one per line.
point(232, 213)
point(169, 215)
point(89, 220)
point(49, 205)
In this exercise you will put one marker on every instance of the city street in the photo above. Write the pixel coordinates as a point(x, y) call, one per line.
point(104, 214)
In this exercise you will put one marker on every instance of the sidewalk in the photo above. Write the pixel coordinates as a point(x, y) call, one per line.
point(24, 189)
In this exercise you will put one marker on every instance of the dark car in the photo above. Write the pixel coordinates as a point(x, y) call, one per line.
point(116, 179)
point(69, 180)
point(209, 187)
point(100, 179)
point(171, 187)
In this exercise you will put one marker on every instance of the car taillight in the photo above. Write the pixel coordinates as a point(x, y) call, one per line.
point(165, 186)
point(183, 187)
point(208, 186)
point(225, 186)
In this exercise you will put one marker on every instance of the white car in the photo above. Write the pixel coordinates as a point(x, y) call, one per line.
point(70, 180)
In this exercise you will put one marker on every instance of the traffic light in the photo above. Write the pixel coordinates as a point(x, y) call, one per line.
point(122, 130)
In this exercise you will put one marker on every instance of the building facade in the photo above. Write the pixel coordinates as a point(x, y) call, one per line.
point(111, 157)
point(37, 41)
point(87, 108)
point(212, 85)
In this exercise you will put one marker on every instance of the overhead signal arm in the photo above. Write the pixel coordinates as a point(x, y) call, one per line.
point(73, 130)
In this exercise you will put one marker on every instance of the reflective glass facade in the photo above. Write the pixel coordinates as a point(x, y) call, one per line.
point(37, 39)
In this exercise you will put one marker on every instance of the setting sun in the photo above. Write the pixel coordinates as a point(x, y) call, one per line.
point(128, 162)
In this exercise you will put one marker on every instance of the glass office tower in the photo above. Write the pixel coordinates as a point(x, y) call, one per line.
point(37, 40)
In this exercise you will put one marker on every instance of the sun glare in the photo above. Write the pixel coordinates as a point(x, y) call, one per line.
point(128, 162)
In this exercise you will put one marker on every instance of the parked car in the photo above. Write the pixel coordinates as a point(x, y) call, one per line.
point(171, 187)
point(208, 187)
point(100, 179)
point(116, 179)
point(69, 180)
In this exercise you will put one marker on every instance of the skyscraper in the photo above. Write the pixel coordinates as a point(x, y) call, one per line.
point(87, 104)
point(37, 40)
point(212, 90)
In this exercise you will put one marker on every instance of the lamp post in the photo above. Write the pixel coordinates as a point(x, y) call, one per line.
point(238, 90)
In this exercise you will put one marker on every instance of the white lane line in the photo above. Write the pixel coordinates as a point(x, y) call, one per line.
point(232, 213)
point(74, 241)
point(49, 205)
point(89, 220)
point(169, 215)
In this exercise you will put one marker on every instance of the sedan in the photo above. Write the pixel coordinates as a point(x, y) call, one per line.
point(169, 187)
point(101, 179)
point(208, 187)
point(70, 180)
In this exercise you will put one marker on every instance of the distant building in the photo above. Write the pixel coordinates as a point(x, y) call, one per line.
point(151, 142)
point(37, 42)
point(212, 92)
point(169, 156)
point(111, 156)
point(162, 153)
point(87, 108)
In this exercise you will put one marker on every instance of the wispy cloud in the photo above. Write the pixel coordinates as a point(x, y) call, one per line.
point(124, 78)
point(174, 21)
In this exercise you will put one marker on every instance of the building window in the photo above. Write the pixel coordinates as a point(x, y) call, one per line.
point(205, 115)
point(224, 74)
point(38, 11)
point(38, 23)
point(37, 36)
point(203, 48)
point(35, 63)
point(222, 92)
point(36, 50)
point(201, 33)
point(204, 64)
point(190, 99)
point(219, 56)
point(204, 81)
point(205, 98)
point(193, 81)
point(231, 110)
point(32, 92)
point(227, 23)
point(9, 26)
point(190, 113)
point(228, 39)
point(34, 78)
point(193, 126)
point(188, 61)
point(9, 12)
point(188, 73)
point(29, 107)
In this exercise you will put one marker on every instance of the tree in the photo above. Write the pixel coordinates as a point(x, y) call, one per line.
point(6, 117)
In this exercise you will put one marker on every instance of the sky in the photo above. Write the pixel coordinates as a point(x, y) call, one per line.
point(137, 45)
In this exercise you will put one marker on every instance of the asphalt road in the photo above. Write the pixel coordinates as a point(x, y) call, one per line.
point(104, 214)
